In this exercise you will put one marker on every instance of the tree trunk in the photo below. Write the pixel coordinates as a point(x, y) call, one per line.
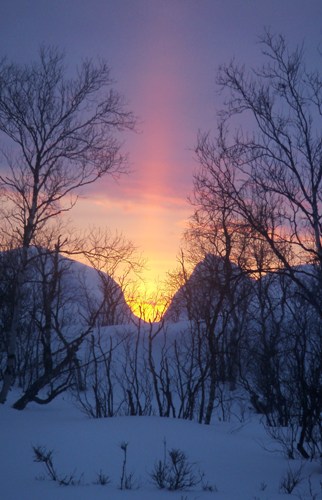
point(10, 372)
point(212, 395)
point(41, 382)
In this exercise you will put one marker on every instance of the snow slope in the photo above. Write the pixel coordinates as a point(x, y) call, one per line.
point(234, 457)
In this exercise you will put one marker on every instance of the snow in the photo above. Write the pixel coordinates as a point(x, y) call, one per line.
point(238, 459)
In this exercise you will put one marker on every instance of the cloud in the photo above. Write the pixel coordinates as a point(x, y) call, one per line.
point(132, 201)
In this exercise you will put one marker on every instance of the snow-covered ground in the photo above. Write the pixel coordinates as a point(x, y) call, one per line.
point(238, 460)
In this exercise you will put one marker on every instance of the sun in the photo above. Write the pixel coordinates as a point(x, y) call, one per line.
point(149, 307)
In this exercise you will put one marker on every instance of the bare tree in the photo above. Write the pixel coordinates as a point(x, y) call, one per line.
point(100, 397)
point(118, 265)
point(60, 290)
point(271, 169)
point(215, 294)
point(282, 370)
point(47, 340)
point(62, 136)
point(269, 173)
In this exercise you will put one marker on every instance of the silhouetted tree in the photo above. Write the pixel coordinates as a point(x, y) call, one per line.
point(62, 135)
point(268, 173)
point(271, 169)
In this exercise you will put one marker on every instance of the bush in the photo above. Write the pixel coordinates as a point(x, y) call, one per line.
point(290, 480)
point(175, 472)
point(102, 479)
point(41, 455)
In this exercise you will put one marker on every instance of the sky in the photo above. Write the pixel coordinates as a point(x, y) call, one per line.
point(164, 55)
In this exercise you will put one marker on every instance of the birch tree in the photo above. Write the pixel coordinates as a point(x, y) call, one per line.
point(267, 159)
point(266, 164)
point(59, 134)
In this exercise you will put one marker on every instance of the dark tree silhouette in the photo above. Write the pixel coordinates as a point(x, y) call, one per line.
point(60, 135)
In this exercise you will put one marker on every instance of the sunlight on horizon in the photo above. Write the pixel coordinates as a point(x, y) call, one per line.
point(146, 310)
point(147, 297)
point(148, 302)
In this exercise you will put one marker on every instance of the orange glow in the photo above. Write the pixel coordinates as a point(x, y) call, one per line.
point(148, 302)
point(148, 310)
point(149, 206)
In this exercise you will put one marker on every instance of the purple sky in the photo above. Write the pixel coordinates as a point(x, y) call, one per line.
point(164, 55)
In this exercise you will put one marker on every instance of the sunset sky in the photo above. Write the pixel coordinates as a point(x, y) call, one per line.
point(163, 55)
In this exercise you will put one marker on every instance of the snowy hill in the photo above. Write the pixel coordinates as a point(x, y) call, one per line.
point(91, 288)
point(80, 289)
point(205, 287)
point(130, 376)
point(214, 279)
